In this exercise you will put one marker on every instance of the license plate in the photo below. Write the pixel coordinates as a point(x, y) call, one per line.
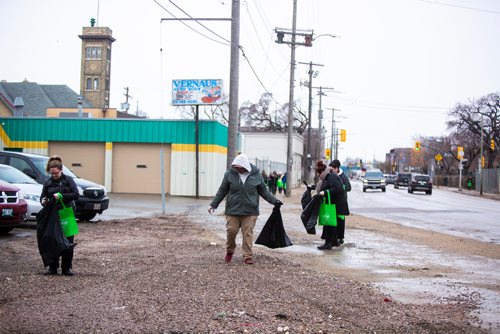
point(97, 206)
point(7, 212)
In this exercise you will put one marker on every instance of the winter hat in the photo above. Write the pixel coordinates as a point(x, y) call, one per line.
point(242, 161)
point(335, 163)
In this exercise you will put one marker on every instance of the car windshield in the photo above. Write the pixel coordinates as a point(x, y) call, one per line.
point(374, 175)
point(40, 164)
point(13, 175)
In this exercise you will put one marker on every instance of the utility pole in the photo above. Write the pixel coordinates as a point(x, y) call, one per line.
point(334, 141)
point(481, 160)
point(320, 116)
point(234, 72)
point(126, 105)
point(309, 119)
point(308, 37)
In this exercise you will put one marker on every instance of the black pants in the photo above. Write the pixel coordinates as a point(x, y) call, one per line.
point(340, 227)
point(330, 235)
point(67, 258)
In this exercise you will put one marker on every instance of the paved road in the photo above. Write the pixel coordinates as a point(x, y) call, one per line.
point(446, 211)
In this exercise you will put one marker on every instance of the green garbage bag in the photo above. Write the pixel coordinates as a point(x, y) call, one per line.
point(327, 212)
point(68, 220)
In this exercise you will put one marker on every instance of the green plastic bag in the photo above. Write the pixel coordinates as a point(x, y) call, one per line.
point(327, 212)
point(68, 220)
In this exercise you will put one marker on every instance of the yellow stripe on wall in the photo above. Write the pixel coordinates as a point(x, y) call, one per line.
point(21, 144)
point(109, 146)
point(202, 148)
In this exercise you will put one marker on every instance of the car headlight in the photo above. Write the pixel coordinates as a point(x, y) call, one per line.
point(80, 191)
point(365, 181)
point(20, 194)
point(382, 181)
point(32, 197)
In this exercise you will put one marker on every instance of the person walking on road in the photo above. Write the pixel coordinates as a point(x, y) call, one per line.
point(61, 186)
point(330, 182)
point(335, 164)
point(242, 184)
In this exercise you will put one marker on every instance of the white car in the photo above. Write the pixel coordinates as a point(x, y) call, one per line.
point(30, 189)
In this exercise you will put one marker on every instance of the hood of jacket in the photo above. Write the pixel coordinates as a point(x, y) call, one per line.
point(242, 161)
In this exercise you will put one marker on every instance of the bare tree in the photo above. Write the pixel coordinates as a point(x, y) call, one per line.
point(467, 119)
point(261, 115)
point(214, 112)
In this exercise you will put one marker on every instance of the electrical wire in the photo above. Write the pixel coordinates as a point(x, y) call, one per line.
point(187, 25)
point(459, 6)
point(201, 24)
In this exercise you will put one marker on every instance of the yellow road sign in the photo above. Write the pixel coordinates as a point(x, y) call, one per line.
point(438, 157)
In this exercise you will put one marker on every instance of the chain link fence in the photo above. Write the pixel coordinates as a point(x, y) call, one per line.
point(491, 180)
point(270, 166)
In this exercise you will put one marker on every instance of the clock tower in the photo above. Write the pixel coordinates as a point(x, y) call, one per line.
point(95, 73)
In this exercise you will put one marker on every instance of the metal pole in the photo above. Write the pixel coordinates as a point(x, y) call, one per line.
point(460, 167)
point(333, 133)
point(197, 135)
point(234, 83)
point(309, 121)
point(289, 156)
point(320, 120)
point(162, 164)
point(481, 161)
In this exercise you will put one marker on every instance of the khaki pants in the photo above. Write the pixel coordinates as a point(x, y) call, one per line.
point(233, 224)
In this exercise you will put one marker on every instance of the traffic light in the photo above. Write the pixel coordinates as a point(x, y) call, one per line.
point(482, 161)
point(280, 35)
point(308, 40)
point(327, 153)
point(417, 146)
point(492, 145)
point(342, 135)
point(460, 151)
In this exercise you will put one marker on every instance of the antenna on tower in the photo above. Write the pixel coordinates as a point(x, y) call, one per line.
point(98, 5)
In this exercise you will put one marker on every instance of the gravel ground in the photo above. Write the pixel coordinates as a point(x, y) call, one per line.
point(167, 275)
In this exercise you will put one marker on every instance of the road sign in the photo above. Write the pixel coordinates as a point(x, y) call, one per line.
point(438, 157)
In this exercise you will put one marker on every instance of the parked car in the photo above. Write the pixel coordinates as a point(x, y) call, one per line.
point(420, 183)
point(389, 178)
point(12, 206)
point(93, 197)
point(402, 180)
point(374, 180)
point(30, 189)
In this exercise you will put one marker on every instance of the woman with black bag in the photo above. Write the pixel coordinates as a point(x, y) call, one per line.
point(60, 186)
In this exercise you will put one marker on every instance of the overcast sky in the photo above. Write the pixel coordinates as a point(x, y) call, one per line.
point(399, 66)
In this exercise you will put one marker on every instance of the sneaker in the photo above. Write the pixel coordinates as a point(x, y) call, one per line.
point(248, 260)
point(68, 272)
point(228, 257)
point(50, 272)
point(341, 241)
point(325, 247)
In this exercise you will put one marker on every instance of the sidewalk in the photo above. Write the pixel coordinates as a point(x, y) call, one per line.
point(471, 193)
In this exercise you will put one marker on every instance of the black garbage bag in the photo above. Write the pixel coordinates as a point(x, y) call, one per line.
point(310, 214)
point(51, 241)
point(306, 196)
point(273, 233)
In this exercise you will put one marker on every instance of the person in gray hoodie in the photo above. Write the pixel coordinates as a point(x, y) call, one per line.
point(242, 184)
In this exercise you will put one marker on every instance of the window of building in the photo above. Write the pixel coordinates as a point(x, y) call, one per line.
point(93, 52)
point(89, 84)
point(96, 84)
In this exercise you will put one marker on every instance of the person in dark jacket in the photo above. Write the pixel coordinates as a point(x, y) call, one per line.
point(61, 186)
point(242, 184)
point(335, 164)
point(331, 182)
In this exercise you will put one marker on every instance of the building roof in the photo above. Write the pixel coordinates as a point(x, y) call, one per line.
point(37, 98)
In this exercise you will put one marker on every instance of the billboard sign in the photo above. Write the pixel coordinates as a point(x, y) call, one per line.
point(196, 92)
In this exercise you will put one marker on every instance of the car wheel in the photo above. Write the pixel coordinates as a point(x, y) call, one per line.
point(429, 192)
point(364, 190)
point(396, 187)
point(383, 189)
point(86, 216)
point(5, 230)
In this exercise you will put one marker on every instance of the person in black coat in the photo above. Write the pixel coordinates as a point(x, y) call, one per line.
point(330, 182)
point(335, 164)
point(58, 185)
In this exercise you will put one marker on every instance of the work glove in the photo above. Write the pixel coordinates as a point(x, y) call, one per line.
point(211, 210)
point(278, 204)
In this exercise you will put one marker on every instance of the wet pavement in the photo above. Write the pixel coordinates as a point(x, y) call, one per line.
point(408, 272)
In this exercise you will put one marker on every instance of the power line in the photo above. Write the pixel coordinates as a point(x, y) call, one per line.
point(201, 24)
point(187, 25)
point(459, 6)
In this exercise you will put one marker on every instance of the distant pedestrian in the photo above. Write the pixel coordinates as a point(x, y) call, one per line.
point(283, 179)
point(265, 178)
point(272, 182)
point(242, 184)
point(60, 186)
point(335, 164)
point(469, 182)
point(279, 183)
point(330, 182)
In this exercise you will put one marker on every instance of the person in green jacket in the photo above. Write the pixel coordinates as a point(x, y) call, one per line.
point(242, 184)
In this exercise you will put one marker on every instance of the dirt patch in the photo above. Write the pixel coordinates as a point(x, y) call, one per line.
point(167, 275)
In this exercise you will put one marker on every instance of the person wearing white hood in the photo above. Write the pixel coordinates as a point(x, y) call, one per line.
point(242, 184)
